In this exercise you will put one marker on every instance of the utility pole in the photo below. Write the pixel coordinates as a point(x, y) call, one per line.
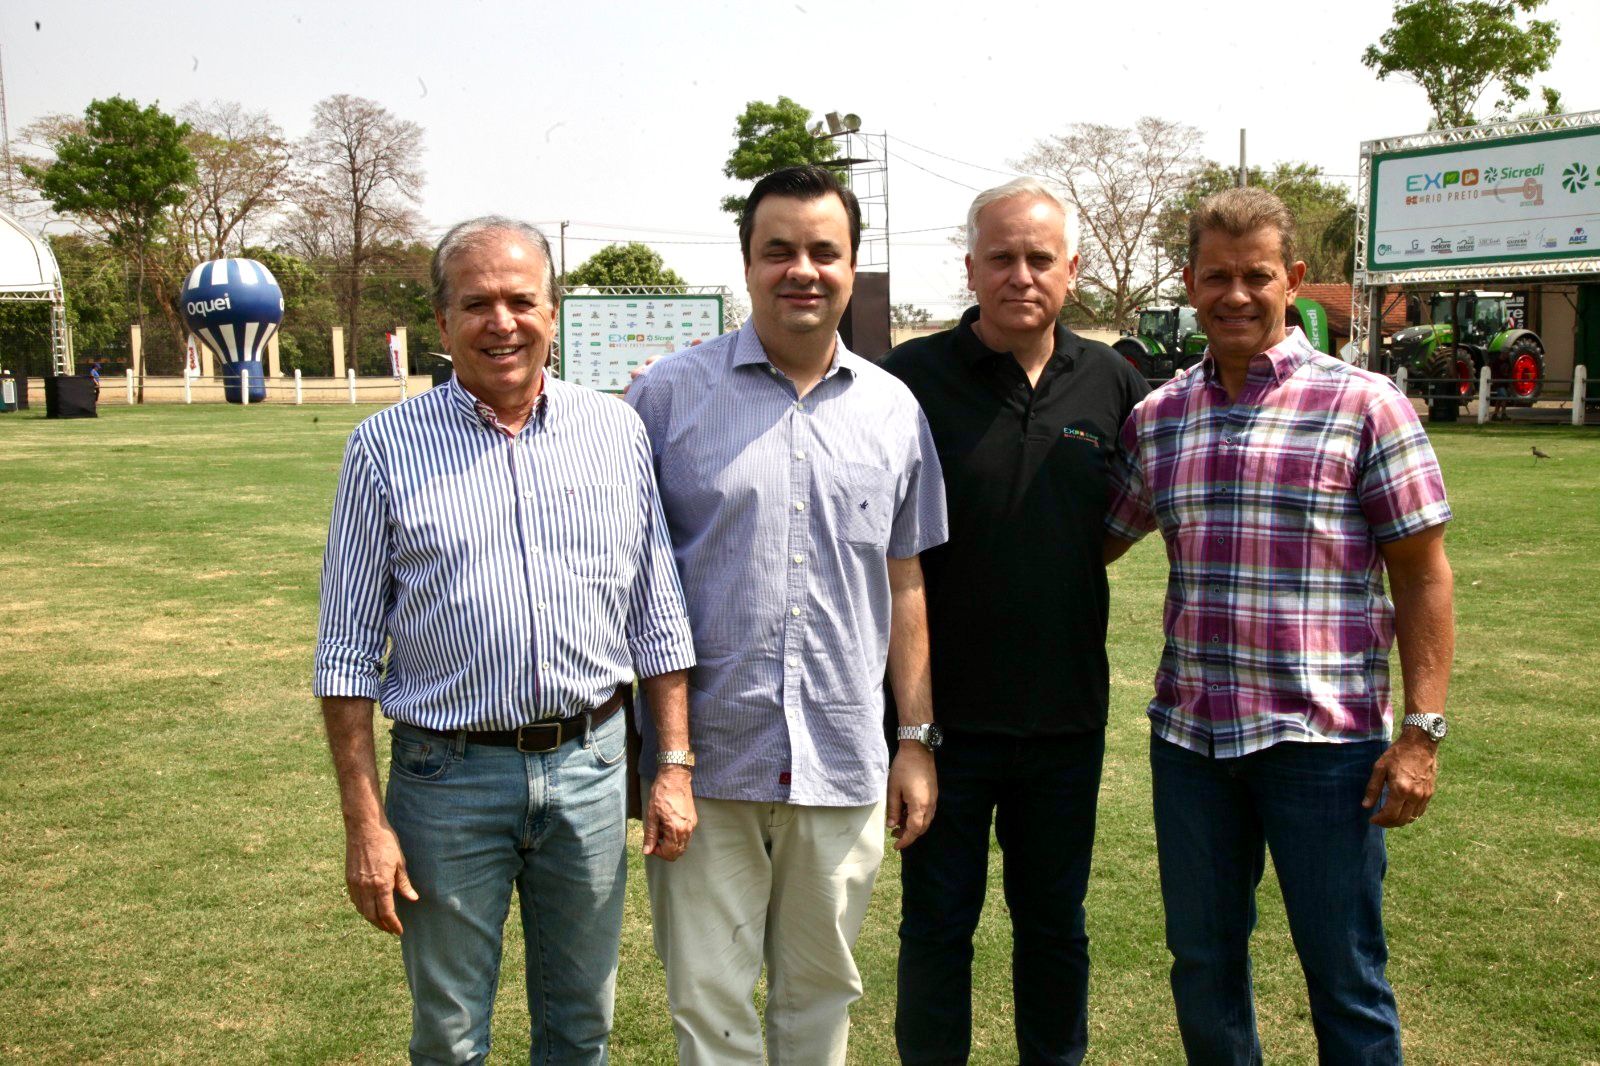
point(5, 139)
point(564, 223)
point(1244, 175)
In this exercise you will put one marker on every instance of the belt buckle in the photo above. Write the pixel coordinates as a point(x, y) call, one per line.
point(552, 729)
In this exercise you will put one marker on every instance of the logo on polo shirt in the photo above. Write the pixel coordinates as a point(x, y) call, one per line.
point(1079, 434)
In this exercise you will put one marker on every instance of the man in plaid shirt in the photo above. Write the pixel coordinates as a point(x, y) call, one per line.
point(1285, 483)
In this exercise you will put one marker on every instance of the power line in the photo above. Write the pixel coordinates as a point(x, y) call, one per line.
point(953, 159)
point(935, 173)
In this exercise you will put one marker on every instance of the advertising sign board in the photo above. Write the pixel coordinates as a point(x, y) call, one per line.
point(604, 337)
point(1526, 198)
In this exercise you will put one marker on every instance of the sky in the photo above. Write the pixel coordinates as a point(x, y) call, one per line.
point(618, 116)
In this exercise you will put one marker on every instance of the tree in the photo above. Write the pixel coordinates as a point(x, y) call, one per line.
point(624, 264)
point(770, 137)
point(242, 164)
point(908, 316)
point(122, 172)
point(1457, 49)
point(362, 174)
point(1120, 180)
point(1324, 214)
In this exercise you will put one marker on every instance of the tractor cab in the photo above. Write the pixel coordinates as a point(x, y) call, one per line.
point(1474, 317)
point(1166, 340)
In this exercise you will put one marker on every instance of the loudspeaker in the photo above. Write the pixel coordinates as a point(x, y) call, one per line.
point(69, 397)
point(865, 326)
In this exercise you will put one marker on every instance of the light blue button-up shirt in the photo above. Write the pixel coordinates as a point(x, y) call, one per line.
point(783, 513)
point(518, 578)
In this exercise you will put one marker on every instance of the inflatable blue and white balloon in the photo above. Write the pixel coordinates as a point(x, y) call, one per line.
point(234, 306)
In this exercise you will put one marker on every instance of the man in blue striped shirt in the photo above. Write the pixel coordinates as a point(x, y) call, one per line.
point(497, 572)
point(800, 483)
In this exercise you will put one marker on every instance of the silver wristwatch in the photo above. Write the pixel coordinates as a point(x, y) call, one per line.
point(1431, 724)
point(929, 736)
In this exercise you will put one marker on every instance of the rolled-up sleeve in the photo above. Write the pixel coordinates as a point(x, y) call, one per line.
point(921, 521)
point(355, 581)
point(1398, 479)
point(658, 632)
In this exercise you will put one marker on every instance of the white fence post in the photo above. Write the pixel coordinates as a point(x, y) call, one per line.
point(350, 375)
point(188, 396)
point(1580, 392)
point(299, 397)
point(244, 384)
point(1483, 394)
point(130, 388)
point(403, 380)
point(1401, 375)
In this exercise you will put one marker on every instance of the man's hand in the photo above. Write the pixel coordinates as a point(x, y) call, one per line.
point(669, 817)
point(374, 870)
point(1408, 769)
point(913, 793)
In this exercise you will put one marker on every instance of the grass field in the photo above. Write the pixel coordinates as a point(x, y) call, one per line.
point(171, 856)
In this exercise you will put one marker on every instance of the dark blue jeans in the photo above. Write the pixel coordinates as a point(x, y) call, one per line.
point(1215, 818)
point(1040, 793)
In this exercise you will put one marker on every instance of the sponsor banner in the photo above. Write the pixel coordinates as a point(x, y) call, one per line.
point(1507, 200)
point(191, 357)
point(397, 357)
point(605, 337)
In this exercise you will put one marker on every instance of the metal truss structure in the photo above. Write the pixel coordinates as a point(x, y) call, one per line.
point(649, 290)
point(866, 157)
point(1367, 290)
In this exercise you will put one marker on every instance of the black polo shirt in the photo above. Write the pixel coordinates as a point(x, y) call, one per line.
point(1017, 598)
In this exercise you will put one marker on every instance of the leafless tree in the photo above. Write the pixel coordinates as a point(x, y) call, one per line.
point(361, 175)
point(243, 164)
point(1120, 179)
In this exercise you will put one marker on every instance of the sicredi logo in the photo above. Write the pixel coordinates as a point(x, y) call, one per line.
point(205, 307)
point(1442, 179)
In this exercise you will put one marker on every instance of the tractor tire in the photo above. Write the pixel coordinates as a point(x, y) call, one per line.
point(1137, 355)
point(1521, 365)
point(1453, 375)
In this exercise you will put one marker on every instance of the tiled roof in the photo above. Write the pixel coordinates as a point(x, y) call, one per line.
point(1335, 299)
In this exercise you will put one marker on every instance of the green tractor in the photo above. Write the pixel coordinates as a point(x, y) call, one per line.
point(1167, 340)
point(1488, 336)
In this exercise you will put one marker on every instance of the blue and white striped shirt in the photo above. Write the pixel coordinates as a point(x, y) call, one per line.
point(518, 578)
point(782, 513)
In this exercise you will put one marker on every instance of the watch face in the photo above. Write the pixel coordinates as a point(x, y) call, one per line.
point(935, 737)
point(1437, 727)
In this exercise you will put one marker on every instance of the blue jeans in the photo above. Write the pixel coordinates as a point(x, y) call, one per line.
point(1214, 820)
point(1041, 794)
point(474, 820)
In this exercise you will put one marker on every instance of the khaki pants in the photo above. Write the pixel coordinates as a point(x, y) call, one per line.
point(773, 883)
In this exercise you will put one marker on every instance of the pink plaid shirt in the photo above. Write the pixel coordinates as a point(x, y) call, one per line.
point(1277, 624)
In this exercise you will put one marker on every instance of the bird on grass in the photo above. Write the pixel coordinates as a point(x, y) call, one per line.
point(1537, 455)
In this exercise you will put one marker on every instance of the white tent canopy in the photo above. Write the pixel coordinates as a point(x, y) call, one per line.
point(29, 273)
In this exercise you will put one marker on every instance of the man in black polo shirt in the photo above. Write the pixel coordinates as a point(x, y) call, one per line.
point(1024, 414)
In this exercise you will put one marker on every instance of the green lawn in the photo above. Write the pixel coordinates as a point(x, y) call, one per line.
point(171, 857)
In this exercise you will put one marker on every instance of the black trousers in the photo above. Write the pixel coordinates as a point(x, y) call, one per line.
point(1040, 793)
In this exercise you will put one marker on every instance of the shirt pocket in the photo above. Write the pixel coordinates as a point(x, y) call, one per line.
point(863, 503)
point(590, 528)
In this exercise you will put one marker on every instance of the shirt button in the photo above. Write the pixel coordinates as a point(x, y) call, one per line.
point(544, 666)
point(1216, 638)
point(793, 661)
point(542, 606)
point(536, 549)
point(1227, 440)
point(798, 559)
point(799, 405)
point(799, 455)
point(795, 611)
point(1216, 688)
point(799, 505)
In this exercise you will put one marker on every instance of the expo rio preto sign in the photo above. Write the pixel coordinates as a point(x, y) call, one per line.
point(1516, 199)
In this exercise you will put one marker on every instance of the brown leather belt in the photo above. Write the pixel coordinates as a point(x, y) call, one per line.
point(540, 737)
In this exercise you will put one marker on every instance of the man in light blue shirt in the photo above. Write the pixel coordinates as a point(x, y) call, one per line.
point(800, 484)
point(497, 573)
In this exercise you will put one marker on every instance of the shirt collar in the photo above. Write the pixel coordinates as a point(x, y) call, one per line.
point(747, 351)
point(475, 409)
point(1277, 362)
point(972, 348)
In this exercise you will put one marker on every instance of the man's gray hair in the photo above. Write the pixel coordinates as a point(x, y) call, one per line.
point(1030, 187)
point(475, 232)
